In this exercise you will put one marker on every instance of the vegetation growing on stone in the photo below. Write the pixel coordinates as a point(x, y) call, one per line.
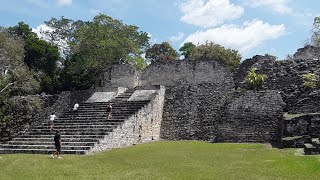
point(310, 81)
point(254, 80)
point(211, 51)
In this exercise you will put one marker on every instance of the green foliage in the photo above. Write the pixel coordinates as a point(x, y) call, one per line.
point(253, 80)
point(137, 61)
point(40, 56)
point(187, 49)
point(11, 50)
point(107, 41)
point(24, 81)
point(161, 52)
point(78, 73)
point(315, 33)
point(96, 44)
point(310, 81)
point(62, 30)
point(24, 105)
point(210, 51)
point(18, 80)
point(4, 95)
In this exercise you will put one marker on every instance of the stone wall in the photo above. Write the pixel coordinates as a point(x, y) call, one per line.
point(120, 76)
point(185, 72)
point(251, 117)
point(208, 112)
point(304, 125)
point(308, 52)
point(286, 76)
point(192, 112)
point(144, 126)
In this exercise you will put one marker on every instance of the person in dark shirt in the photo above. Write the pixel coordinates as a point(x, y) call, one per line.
point(57, 143)
point(109, 110)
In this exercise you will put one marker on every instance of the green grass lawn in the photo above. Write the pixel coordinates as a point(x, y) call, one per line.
point(167, 160)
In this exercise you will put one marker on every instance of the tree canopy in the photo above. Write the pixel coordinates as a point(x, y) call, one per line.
point(210, 51)
point(187, 49)
point(161, 52)
point(15, 77)
point(315, 34)
point(39, 55)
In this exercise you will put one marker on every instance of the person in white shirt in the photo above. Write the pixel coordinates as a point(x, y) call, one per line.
point(52, 117)
point(75, 109)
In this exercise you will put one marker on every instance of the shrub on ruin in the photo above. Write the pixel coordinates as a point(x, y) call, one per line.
point(211, 51)
point(309, 81)
point(254, 80)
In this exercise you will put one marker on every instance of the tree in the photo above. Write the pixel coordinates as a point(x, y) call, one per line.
point(16, 78)
point(315, 33)
point(107, 41)
point(253, 80)
point(60, 32)
point(77, 74)
point(98, 43)
point(40, 56)
point(187, 49)
point(161, 52)
point(137, 62)
point(210, 51)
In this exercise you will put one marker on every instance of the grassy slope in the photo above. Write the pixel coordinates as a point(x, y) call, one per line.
point(167, 160)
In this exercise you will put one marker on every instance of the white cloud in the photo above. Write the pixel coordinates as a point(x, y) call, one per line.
point(279, 6)
point(177, 37)
point(64, 2)
point(209, 13)
point(243, 38)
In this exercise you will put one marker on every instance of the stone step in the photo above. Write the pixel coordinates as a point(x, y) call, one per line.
point(75, 123)
point(70, 117)
point(100, 112)
point(87, 126)
point(92, 140)
point(63, 130)
point(64, 143)
point(87, 136)
point(115, 105)
point(106, 103)
point(40, 151)
point(84, 121)
point(12, 146)
point(94, 116)
point(309, 149)
point(69, 133)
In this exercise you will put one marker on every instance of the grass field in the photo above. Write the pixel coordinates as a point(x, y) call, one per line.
point(168, 160)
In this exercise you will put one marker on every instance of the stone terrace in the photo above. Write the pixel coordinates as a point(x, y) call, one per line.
point(79, 132)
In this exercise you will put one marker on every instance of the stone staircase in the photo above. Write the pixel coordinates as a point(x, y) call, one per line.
point(79, 132)
point(302, 131)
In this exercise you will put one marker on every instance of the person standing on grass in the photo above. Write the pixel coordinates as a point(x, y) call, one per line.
point(57, 144)
point(52, 117)
point(109, 111)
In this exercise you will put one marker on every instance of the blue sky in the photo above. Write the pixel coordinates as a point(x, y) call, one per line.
point(276, 27)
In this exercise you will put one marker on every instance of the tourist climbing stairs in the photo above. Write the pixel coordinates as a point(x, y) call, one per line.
point(79, 131)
